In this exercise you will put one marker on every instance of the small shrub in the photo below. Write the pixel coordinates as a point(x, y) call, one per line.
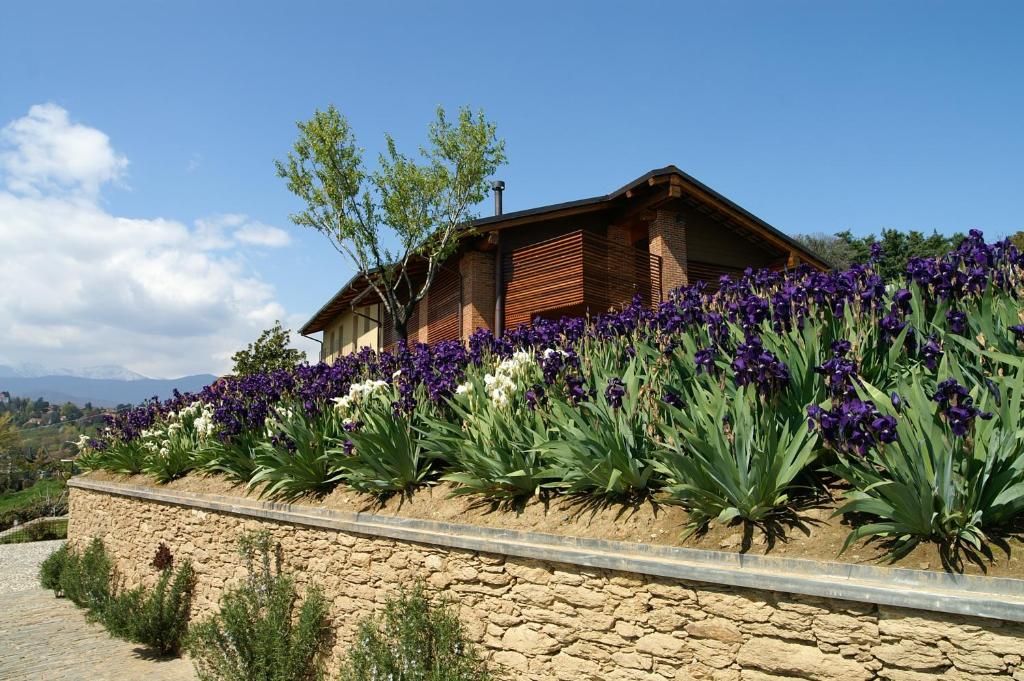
point(413, 640)
point(163, 558)
point(51, 569)
point(157, 618)
point(258, 634)
point(87, 579)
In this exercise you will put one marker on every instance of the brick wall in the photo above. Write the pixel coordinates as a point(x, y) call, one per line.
point(668, 240)
point(477, 269)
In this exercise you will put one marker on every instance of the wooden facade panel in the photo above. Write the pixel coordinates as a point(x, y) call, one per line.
point(445, 307)
point(543, 277)
point(578, 273)
point(710, 273)
point(389, 341)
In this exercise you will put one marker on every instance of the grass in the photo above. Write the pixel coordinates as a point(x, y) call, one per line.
point(12, 501)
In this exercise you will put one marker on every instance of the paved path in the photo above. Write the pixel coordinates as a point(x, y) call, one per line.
point(44, 638)
point(19, 565)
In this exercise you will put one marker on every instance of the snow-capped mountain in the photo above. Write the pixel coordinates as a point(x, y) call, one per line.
point(34, 370)
point(102, 386)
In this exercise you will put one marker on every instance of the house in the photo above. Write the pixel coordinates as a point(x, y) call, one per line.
point(661, 231)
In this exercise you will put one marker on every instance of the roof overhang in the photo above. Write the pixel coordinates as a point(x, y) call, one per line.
point(679, 185)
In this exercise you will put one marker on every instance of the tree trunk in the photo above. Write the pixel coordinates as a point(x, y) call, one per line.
point(401, 331)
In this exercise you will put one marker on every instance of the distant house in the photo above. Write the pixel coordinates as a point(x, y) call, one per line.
point(657, 233)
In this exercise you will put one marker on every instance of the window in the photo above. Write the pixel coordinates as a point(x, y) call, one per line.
point(366, 321)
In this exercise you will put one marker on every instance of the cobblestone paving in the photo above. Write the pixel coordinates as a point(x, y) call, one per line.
point(44, 638)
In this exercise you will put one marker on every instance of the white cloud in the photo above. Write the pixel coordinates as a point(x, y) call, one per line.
point(82, 287)
point(258, 234)
point(231, 229)
point(46, 153)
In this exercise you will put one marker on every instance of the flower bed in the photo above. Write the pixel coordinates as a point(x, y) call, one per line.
point(746, 404)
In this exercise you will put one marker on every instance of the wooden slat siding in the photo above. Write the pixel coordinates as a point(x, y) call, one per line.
point(710, 272)
point(574, 274)
point(618, 272)
point(543, 276)
point(444, 307)
point(389, 341)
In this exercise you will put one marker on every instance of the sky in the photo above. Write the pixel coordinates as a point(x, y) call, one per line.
point(142, 224)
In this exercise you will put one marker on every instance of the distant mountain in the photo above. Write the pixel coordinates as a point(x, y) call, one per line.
point(101, 392)
point(33, 370)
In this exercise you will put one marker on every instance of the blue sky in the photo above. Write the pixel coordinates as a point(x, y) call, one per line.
point(815, 116)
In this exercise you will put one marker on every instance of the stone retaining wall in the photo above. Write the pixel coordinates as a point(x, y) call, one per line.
point(552, 620)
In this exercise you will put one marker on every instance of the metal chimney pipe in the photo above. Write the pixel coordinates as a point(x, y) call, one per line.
point(498, 187)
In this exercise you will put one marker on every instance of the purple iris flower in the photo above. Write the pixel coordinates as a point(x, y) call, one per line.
point(614, 393)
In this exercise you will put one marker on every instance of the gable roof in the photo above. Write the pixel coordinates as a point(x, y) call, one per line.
point(670, 174)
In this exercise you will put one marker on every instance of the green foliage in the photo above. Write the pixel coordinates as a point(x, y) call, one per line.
point(932, 484)
point(269, 353)
point(235, 457)
point(38, 531)
point(45, 498)
point(413, 640)
point(898, 247)
point(600, 448)
point(126, 458)
point(296, 461)
point(171, 463)
point(260, 632)
point(420, 206)
point(10, 438)
point(490, 449)
point(87, 578)
point(838, 252)
point(387, 454)
point(51, 569)
point(157, 618)
point(1018, 240)
point(725, 457)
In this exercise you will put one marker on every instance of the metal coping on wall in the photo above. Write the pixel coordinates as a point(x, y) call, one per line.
point(978, 596)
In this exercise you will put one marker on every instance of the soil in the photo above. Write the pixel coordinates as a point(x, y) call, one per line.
point(813, 533)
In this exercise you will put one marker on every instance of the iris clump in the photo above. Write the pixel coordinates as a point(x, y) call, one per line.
point(604, 406)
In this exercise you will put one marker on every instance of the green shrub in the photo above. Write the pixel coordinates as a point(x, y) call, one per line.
point(258, 635)
point(725, 458)
point(156, 618)
point(87, 579)
point(413, 640)
point(126, 458)
point(295, 461)
point(51, 569)
point(603, 444)
point(490, 449)
point(386, 454)
point(933, 484)
point(234, 457)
